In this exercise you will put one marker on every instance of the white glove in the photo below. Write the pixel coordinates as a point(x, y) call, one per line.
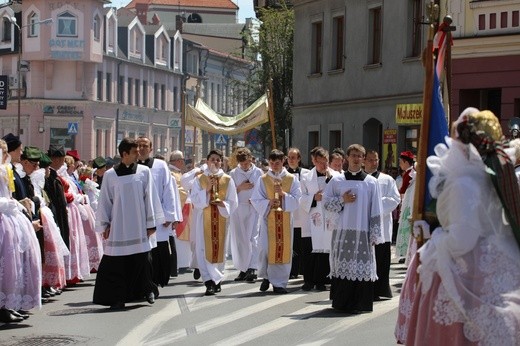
point(421, 227)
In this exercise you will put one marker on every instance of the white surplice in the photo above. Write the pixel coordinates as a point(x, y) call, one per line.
point(318, 219)
point(121, 207)
point(243, 225)
point(358, 227)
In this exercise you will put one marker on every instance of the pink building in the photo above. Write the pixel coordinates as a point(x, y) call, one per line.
point(92, 77)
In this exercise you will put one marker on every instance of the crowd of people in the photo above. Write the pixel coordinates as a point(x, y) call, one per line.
point(146, 220)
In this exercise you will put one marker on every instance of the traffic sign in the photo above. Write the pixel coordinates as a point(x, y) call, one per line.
point(72, 129)
point(221, 139)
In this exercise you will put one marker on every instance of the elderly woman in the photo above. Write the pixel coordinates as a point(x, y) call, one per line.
point(464, 287)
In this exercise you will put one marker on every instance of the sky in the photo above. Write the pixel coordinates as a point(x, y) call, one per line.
point(245, 8)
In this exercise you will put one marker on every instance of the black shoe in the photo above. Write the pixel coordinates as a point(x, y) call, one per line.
point(45, 294)
point(117, 306)
point(45, 300)
point(279, 290)
point(210, 288)
point(196, 274)
point(217, 288)
point(264, 286)
point(241, 276)
point(251, 275)
point(321, 287)
point(18, 314)
point(55, 291)
point(402, 260)
point(293, 276)
point(150, 298)
point(307, 286)
point(7, 317)
point(48, 291)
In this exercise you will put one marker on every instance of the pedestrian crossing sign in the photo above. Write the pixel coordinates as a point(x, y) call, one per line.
point(72, 129)
point(221, 139)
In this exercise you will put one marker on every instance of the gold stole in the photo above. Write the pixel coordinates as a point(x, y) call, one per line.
point(214, 224)
point(10, 177)
point(278, 225)
point(183, 229)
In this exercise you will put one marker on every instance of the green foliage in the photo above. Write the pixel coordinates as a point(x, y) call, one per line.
point(275, 50)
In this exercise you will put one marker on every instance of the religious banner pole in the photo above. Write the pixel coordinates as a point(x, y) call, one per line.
point(271, 112)
point(420, 182)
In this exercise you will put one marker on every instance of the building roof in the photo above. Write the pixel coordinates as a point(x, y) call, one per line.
point(188, 3)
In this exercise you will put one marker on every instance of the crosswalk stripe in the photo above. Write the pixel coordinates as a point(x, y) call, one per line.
point(208, 325)
point(302, 314)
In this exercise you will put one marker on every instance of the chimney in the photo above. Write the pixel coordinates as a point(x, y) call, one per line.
point(179, 20)
point(142, 12)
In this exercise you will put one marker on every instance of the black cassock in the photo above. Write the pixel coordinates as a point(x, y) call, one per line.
point(57, 203)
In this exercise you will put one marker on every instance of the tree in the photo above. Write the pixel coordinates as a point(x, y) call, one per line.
point(275, 49)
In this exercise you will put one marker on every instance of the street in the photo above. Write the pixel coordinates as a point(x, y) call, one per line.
point(182, 315)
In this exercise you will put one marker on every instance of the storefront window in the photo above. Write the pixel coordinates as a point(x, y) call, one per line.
point(59, 136)
point(412, 138)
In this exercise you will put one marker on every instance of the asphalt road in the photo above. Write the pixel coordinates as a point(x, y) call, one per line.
point(182, 315)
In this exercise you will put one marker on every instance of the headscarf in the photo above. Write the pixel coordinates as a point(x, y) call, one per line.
point(483, 130)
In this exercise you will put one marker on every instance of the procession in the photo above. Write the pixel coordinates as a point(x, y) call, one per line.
point(143, 220)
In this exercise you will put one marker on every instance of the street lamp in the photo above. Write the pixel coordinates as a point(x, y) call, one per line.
point(12, 20)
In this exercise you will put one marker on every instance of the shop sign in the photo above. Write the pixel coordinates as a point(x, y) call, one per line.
point(408, 113)
point(62, 110)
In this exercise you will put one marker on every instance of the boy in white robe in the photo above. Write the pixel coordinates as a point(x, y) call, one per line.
point(244, 221)
point(214, 199)
point(275, 198)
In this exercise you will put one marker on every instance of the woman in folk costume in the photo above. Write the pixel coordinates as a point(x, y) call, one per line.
point(275, 197)
point(77, 266)
point(89, 186)
point(214, 199)
point(407, 191)
point(464, 287)
point(88, 218)
point(54, 249)
point(20, 258)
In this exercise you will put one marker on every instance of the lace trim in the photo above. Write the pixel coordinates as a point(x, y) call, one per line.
point(352, 257)
point(335, 204)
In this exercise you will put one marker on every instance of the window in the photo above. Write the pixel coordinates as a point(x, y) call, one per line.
point(97, 27)
point(493, 21)
point(375, 35)
point(6, 30)
point(163, 96)
point(314, 140)
point(136, 41)
point(316, 53)
point(334, 139)
point(156, 95)
point(99, 85)
point(109, 87)
point(338, 39)
point(120, 90)
point(67, 25)
point(130, 90)
point(482, 99)
point(415, 44)
point(137, 93)
point(145, 93)
point(175, 101)
point(482, 22)
point(34, 29)
point(515, 18)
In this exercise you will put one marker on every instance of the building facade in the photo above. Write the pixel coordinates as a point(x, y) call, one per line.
point(96, 75)
point(486, 57)
point(356, 67)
